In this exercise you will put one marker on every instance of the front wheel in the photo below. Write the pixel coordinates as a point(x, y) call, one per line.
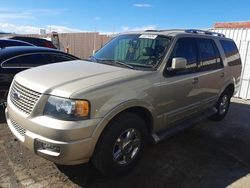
point(222, 107)
point(121, 145)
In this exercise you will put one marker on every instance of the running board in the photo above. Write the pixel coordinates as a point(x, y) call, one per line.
point(187, 123)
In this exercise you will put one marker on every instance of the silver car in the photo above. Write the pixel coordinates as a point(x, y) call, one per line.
point(141, 85)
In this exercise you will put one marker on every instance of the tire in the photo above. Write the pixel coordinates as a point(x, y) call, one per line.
point(116, 152)
point(222, 106)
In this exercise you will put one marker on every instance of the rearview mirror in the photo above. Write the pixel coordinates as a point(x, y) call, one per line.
point(178, 63)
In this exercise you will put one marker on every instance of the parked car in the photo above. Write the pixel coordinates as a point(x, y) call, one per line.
point(11, 42)
point(141, 85)
point(35, 41)
point(16, 59)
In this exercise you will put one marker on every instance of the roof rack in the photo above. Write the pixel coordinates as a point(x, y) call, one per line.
point(197, 31)
point(204, 32)
point(162, 30)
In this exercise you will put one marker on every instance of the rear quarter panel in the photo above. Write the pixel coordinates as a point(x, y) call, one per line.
point(232, 68)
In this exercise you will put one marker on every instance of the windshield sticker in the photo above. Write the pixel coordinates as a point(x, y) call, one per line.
point(148, 36)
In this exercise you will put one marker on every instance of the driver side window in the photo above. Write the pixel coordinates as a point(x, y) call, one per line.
point(184, 48)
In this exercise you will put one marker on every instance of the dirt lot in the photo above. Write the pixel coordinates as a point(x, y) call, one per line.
point(208, 155)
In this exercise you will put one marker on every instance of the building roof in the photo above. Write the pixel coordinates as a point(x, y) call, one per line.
point(245, 24)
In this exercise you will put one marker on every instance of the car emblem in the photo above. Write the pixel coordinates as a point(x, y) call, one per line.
point(17, 95)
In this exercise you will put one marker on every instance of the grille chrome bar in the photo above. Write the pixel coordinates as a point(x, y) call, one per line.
point(23, 98)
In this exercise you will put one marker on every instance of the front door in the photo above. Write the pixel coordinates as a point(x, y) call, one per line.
point(178, 98)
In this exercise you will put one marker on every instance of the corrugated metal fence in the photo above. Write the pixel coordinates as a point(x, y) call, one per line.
point(242, 40)
point(82, 44)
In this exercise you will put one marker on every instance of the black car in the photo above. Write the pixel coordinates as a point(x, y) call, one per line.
point(11, 42)
point(16, 59)
point(35, 41)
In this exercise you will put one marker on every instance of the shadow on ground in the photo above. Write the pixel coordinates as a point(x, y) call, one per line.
point(212, 154)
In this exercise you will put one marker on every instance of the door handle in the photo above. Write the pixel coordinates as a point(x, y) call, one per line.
point(222, 74)
point(195, 80)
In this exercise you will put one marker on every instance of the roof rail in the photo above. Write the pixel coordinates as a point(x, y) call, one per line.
point(204, 32)
point(151, 30)
point(162, 30)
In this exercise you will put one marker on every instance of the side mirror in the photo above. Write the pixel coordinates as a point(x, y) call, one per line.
point(178, 63)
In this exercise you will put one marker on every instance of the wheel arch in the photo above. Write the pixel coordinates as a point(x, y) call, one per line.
point(230, 87)
point(142, 109)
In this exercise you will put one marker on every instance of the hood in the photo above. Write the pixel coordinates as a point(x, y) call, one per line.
point(64, 79)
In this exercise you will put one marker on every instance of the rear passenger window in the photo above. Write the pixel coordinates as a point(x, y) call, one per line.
point(12, 63)
point(209, 55)
point(26, 61)
point(231, 52)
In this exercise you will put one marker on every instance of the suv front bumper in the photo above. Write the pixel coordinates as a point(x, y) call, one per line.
point(59, 141)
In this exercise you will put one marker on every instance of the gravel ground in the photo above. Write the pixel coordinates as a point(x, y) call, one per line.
point(209, 155)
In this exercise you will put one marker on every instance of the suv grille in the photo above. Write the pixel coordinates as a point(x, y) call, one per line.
point(18, 128)
point(23, 98)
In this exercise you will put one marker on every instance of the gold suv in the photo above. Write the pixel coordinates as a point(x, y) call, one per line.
point(141, 85)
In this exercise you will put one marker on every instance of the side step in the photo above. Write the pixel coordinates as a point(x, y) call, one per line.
point(187, 123)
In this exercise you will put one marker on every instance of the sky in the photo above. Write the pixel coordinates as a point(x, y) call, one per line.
point(112, 16)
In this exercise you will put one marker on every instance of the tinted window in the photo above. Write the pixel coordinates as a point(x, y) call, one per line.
point(185, 48)
point(209, 54)
point(231, 52)
point(31, 60)
point(6, 43)
point(229, 47)
point(58, 58)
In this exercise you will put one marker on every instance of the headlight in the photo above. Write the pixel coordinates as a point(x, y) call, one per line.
point(67, 109)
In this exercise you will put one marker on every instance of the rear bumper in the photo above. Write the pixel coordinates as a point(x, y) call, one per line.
point(58, 141)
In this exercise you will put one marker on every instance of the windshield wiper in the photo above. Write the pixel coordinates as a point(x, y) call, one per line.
point(144, 66)
point(116, 62)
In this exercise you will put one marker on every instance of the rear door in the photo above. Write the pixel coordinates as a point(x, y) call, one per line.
point(211, 73)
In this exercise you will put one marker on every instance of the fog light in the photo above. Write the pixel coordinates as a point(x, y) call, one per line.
point(50, 147)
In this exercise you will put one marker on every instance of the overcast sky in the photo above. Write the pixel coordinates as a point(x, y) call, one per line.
point(108, 16)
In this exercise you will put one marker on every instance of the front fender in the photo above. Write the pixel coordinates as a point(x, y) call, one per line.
point(115, 111)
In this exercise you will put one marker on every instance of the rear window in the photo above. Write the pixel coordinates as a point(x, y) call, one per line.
point(7, 43)
point(54, 58)
point(26, 61)
point(231, 52)
point(229, 47)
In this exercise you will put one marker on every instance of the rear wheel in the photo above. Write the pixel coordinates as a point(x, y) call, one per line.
point(222, 106)
point(121, 145)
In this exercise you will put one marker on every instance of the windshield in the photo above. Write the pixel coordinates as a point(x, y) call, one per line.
point(136, 50)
